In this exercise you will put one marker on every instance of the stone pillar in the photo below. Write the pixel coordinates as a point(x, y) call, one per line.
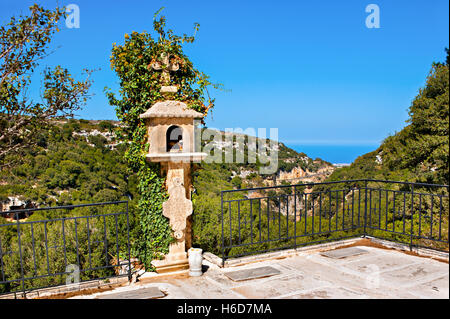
point(178, 208)
point(163, 119)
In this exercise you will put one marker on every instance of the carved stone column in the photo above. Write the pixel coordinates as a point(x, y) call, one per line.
point(177, 209)
point(171, 129)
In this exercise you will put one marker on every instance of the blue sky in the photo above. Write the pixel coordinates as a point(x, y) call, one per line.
point(312, 69)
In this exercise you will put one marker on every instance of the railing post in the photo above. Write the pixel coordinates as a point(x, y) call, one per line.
point(129, 247)
point(412, 217)
point(365, 209)
point(295, 217)
point(20, 254)
point(223, 238)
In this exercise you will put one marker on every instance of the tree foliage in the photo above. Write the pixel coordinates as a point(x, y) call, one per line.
point(24, 42)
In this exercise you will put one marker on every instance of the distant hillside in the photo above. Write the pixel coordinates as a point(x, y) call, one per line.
point(78, 161)
point(211, 179)
point(292, 167)
point(420, 151)
point(81, 161)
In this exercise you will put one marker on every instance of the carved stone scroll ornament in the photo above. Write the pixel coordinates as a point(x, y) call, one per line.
point(177, 208)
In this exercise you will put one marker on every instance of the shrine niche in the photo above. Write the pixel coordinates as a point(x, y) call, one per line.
point(170, 130)
point(174, 139)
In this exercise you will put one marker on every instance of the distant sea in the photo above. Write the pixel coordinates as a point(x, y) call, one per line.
point(335, 154)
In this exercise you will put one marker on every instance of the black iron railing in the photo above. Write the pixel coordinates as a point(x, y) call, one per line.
point(45, 247)
point(257, 220)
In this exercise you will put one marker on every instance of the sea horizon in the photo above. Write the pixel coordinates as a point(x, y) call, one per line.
point(335, 153)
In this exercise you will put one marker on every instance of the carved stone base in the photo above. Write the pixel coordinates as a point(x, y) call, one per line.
point(167, 265)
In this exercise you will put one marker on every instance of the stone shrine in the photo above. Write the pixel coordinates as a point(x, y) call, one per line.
point(170, 130)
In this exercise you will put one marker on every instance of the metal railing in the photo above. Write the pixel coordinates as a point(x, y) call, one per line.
point(52, 246)
point(258, 220)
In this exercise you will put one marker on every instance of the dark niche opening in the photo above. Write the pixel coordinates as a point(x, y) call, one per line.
point(174, 138)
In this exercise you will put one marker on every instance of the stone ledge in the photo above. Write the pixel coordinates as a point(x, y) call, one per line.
point(279, 254)
point(181, 157)
point(234, 262)
point(166, 266)
point(425, 252)
point(216, 260)
point(58, 290)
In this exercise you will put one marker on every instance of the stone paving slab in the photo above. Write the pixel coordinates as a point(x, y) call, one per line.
point(344, 252)
point(382, 262)
point(253, 273)
point(217, 276)
point(378, 273)
point(437, 288)
point(358, 272)
point(143, 293)
point(199, 287)
point(415, 274)
point(323, 269)
point(329, 293)
point(277, 287)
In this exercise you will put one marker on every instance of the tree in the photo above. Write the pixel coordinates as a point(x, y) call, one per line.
point(423, 145)
point(237, 182)
point(429, 118)
point(24, 42)
point(106, 126)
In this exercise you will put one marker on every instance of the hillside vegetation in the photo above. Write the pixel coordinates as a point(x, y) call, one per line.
point(76, 162)
point(81, 161)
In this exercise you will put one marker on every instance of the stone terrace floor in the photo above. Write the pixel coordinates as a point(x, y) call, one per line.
point(375, 273)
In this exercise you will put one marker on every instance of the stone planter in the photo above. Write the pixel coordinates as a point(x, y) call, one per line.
point(195, 262)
